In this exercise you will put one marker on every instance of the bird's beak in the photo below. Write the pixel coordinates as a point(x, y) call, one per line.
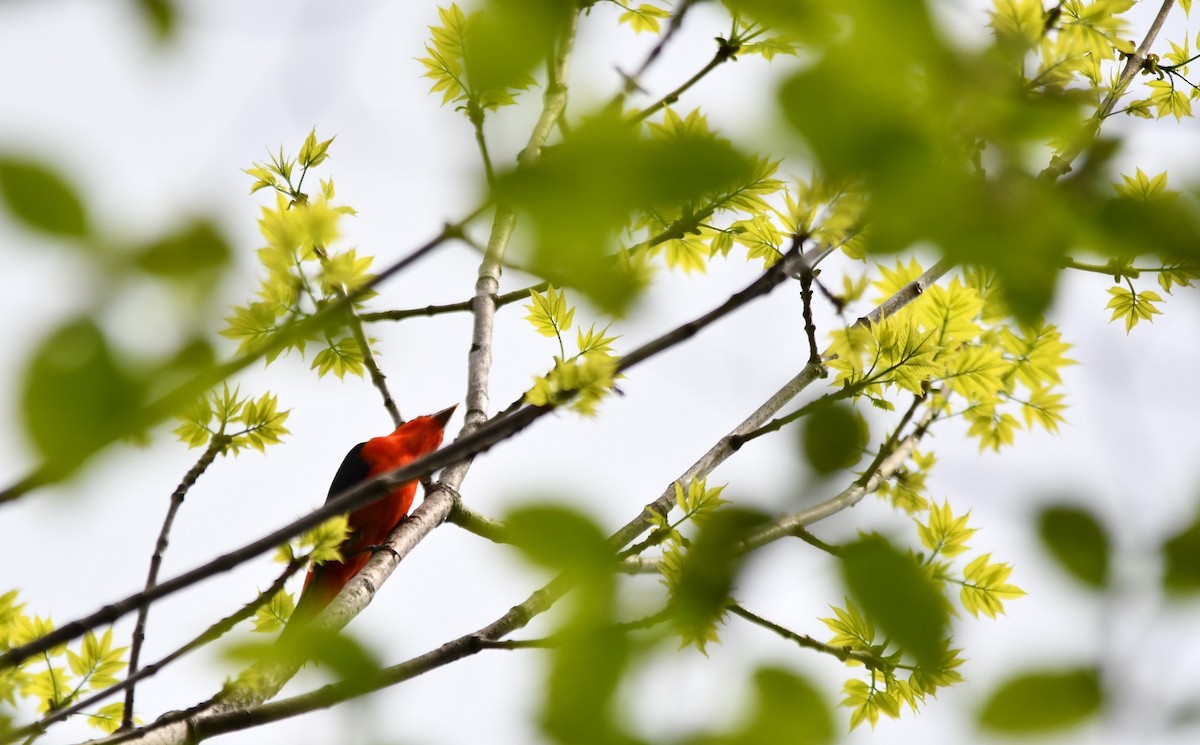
point(443, 416)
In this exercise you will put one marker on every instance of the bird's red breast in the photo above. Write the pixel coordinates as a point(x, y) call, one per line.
point(371, 524)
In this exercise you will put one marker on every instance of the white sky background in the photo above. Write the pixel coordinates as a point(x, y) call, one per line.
point(154, 134)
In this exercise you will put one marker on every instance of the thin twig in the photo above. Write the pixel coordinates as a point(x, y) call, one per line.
point(215, 448)
point(810, 328)
point(463, 307)
point(473, 522)
point(632, 81)
point(845, 654)
point(378, 379)
point(725, 52)
point(475, 114)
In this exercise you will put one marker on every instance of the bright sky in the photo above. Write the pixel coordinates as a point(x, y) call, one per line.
point(154, 134)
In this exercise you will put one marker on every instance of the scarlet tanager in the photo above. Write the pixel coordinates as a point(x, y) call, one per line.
point(371, 524)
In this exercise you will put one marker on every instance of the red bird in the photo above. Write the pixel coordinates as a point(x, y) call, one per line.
point(371, 524)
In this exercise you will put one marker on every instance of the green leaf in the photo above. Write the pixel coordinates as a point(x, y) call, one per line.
point(945, 534)
point(560, 539)
point(1133, 306)
point(160, 15)
point(343, 655)
point(1181, 560)
point(76, 398)
point(324, 541)
point(644, 17)
point(789, 709)
point(591, 652)
point(507, 38)
point(834, 437)
point(898, 595)
point(550, 314)
point(851, 628)
point(314, 152)
point(986, 587)
point(577, 220)
point(198, 247)
point(108, 717)
point(706, 575)
point(41, 198)
point(1077, 539)
point(1042, 701)
point(272, 616)
point(340, 357)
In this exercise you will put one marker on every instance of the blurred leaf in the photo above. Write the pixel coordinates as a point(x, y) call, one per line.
point(199, 247)
point(834, 437)
point(893, 105)
point(590, 652)
point(1036, 702)
point(1078, 541)
point(344, 655)
point(705, 580)
point(810, 21)
point(1181, 559)
point(41, 198)
point(507, 38)
point(560, 539)
point(160, 15)
point(789, 710)
point(76, 398)
point(897, 595)
point(577, 218)
point(586, 668)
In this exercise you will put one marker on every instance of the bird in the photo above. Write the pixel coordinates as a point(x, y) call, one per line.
point(371, 524)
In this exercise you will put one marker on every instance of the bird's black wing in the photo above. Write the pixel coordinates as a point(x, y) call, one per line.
point(354, 470)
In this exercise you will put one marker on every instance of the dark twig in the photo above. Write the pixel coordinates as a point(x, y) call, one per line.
point(845, 654)
point(378, 379)
point(810, 328)
point(463, 307)
point(632, 81)
point(215, 447)
point(725, 52)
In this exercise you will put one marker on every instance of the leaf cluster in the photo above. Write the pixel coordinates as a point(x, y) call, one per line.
point(583, 379)
point(988, 368)
point(61, 676)
point(302, 274)
point(237, 421)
